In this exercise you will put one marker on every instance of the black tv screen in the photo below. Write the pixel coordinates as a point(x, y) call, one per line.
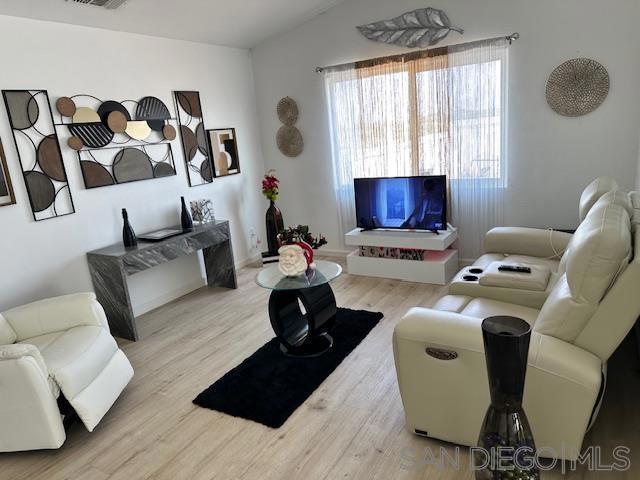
point(418, 203)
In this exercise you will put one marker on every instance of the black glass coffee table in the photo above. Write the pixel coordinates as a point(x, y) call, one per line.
point(302, 309)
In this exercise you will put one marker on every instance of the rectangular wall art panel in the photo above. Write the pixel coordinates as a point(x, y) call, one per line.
point(194, 140)
point(39, 153)
point(115, 165)
point(119, 142)
point(7, 196)
point(224, 151)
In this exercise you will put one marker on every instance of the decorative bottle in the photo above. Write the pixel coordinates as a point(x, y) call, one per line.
point(275, 224)
point(507, 449)
point(185, 218)
point(128, 235)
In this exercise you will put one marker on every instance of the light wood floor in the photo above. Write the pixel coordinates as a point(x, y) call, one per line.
point(351, 427)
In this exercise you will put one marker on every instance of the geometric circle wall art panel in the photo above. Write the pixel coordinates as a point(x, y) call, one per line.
point(131, 164)
point(95, 175)
point(154, 111)
point(50, 159)
point(38, 148)
point(92, 135)
point(224, 151)
point(119, 141)
point(41, 190)
point(577, 87)
point(116, 165)
point(194, 138)
point(7, 197)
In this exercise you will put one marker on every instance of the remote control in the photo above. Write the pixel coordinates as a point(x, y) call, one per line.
point(514, 268)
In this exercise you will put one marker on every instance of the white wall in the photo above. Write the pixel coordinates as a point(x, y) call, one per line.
point(39, 259)
point(551, 157)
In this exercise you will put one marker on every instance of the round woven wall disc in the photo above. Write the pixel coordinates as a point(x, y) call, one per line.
point(66, 106)
point(289, 140)
point(288, 111)
point(577, 87)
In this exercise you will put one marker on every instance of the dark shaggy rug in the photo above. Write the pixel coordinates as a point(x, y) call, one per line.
point(268, 387)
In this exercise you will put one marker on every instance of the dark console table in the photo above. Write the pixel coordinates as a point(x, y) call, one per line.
point(111, 266)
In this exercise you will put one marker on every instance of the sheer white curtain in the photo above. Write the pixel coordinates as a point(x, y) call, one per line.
point(436, 113)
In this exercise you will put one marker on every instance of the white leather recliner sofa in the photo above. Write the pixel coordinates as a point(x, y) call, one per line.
point(57, 345)
point(537, 248)
point(540, 246)
point(591, 306)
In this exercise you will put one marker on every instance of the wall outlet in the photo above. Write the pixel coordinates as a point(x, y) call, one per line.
point(254, 240)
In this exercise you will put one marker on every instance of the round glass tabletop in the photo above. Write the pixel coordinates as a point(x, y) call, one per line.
point(271, 278)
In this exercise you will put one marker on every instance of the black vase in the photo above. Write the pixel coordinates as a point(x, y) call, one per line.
point(128, 235)
point(185, 218)
point(275, 224)
point(507, 449)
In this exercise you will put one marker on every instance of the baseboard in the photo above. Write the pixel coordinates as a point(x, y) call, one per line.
point(248, 261)
point(183, 290)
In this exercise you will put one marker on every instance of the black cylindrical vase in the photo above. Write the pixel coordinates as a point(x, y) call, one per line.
point(275, 224)
point(185, 217)
point(128, 235)
point(507, 449)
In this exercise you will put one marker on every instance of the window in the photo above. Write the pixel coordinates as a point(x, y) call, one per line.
point(435, 112)
point(481, 159)
point(401, 121)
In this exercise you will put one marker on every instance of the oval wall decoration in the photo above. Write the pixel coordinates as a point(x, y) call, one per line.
point(287, 111)
point(577, 87)
point(288, 138)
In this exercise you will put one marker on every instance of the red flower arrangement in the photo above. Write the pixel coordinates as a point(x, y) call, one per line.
point(270, 186)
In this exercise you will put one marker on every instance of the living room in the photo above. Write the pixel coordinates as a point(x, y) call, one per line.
point(319, 239)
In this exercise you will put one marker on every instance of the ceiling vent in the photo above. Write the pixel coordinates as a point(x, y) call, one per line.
point(110, 4)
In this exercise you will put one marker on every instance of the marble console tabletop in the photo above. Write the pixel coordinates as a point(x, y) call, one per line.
point(110, 267)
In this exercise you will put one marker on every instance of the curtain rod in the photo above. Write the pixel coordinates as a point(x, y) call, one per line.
point(510, 38)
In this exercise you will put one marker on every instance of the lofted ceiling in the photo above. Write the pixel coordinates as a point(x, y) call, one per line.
point(237, 23)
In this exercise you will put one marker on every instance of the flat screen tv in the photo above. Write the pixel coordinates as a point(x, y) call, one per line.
point(412, 203)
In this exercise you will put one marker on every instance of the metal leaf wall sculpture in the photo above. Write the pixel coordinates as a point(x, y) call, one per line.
point(418, 28)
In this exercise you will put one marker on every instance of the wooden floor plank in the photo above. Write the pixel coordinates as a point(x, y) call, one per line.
point(351, 427)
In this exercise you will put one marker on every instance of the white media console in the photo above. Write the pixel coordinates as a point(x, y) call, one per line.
point(438, 264)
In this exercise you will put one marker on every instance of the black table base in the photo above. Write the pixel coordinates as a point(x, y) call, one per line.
point(302, 319)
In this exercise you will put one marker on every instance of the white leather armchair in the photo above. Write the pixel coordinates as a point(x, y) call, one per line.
point(52, 347)
point(447, 399)
point(588, 311)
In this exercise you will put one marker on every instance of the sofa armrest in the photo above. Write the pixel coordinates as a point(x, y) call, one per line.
point(29, 412)
point(441, 328)
point(24, 351)
point(457, 332)
point(55, 315)
point(535, 242)
point(447, 397)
